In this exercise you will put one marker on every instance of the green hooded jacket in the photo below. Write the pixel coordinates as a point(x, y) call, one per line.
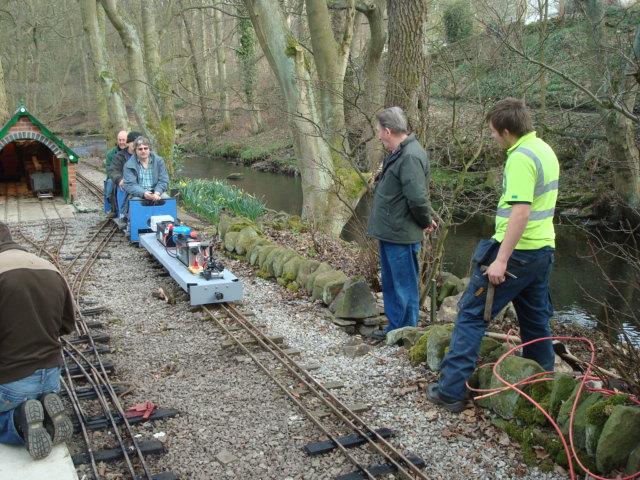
point(401, 207)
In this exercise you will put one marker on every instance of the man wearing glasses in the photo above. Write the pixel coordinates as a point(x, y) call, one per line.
point(145, 173)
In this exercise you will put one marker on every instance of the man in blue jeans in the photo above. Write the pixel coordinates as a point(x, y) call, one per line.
point(518, 258)
point(400, 215)
point(36, 307)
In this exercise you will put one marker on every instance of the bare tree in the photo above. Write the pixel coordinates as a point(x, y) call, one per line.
point(113, 115)
point(198, 73)
point(406, 63)
point(135, 64)
point(222, 67)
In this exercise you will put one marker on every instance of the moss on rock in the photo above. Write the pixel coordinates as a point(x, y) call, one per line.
point(438, 341)
point(418, 352)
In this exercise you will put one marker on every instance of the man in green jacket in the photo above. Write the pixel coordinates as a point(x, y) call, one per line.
point(400, 215)
point(109, 187)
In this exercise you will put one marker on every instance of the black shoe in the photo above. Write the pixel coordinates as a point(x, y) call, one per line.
point(378, 335)
point(56, 421)
point(28, 418)
point(434, 396)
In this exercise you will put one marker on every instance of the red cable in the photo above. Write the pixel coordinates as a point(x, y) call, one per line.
point(569, 450)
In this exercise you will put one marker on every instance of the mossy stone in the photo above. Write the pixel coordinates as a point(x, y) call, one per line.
point(273, 255)
point(252, 252)
point(512, 369)
point(561, 388)
point(306, 269)
point(246, 238)
point(290, 269)
point(230, 241)
point(255, 252)
point(620, 436)
point(355, 300)
point(311, 277)
point(264, 253)
point(293, 286)
point(487, 346)
point(279, 261)
point(567, 406)
point(407, 336)
point(326, 285)
point(438, 341)
point(451, 285)
point(580, 419)
point(223, 225)
point(633, 464)
point(418, 352)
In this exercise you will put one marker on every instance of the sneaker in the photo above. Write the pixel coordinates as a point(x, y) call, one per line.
point(28, 418)
point(56, 421)
point(434, 396)
point(121, 223)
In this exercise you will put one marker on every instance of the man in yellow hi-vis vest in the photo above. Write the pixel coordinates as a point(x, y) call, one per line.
point(517, 260)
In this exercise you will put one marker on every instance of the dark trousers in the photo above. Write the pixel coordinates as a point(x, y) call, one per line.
point(399, 270)
point(530, 295)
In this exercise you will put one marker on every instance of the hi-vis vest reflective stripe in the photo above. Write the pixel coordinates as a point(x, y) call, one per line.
point(540, 189)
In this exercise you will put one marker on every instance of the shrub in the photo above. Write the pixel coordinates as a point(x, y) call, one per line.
point(458, 20)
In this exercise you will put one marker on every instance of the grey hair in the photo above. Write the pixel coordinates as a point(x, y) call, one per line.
point(141, 141)
point(394, 119)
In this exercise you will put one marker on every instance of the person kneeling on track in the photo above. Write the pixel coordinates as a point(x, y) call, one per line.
point(36, 307)
point(145, 174)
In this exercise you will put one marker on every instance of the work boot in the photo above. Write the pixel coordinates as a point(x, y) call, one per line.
point(28, 418)
point(56, 421)
point(434, 396)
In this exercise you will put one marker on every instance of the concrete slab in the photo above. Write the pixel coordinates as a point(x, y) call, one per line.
point(15, 462)
point(34, 210)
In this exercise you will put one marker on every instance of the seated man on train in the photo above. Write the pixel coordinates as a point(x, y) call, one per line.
point(36, 307)
point(110, 191)
point(117, 165)
point(145, 173)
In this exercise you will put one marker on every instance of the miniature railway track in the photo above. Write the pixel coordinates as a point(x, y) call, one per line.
point(85, 375)
point(394, 461)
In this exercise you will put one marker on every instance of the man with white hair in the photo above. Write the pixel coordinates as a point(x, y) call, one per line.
point(400, 215)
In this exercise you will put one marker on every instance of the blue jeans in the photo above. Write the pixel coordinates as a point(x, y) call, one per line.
point(399, 271)
point(12, 394)
point(530, 295)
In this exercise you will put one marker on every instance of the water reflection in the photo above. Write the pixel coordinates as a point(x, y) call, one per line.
point(281, 192)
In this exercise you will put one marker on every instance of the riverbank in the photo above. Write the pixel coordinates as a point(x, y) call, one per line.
point(228, 409)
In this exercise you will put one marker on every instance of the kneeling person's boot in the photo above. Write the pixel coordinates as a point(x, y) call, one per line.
point(56, 421)
point(28, 418)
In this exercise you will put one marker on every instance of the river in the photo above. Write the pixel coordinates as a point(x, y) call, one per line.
point(575, 277)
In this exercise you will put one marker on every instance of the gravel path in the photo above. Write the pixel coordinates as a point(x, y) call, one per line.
point(235, 424)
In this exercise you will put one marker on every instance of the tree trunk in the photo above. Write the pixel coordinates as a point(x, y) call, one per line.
point(406, 64)
point(222, 68)
point(4, 105)
point(197, 71)
point(111, 109)
point(618, 82)
point(330, 59)
point(165, 130)
point(249, 67)
point(135, 63)
point(322, 189)
point(207, 46)
point(374, 83)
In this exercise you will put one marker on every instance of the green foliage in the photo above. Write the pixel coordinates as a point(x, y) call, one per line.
point(458, 20)
point(210, 197)
point(598, 413)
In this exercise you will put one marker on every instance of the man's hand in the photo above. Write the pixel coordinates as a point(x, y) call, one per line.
point(431, 227)
point(121, 182)
point(151, 196)
point(496, 272)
